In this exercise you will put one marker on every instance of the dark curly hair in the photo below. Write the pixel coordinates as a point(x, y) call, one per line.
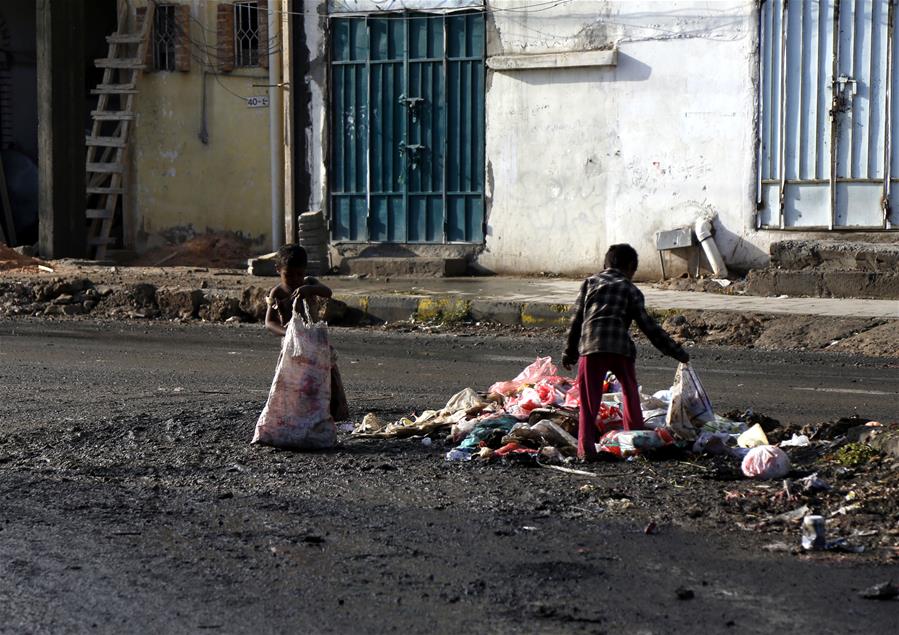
point(622, 257)
point(291, 255)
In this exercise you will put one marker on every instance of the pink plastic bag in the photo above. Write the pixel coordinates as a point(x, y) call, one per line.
point(297, 414)
point(766, 462)
point(542, 367)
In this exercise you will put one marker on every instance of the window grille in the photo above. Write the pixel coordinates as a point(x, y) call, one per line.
point(165, 36)
point(246, 33)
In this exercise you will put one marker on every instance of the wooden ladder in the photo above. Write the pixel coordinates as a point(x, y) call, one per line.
point(107, 144)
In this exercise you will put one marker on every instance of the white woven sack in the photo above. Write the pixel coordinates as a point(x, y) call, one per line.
point(297, 413)
point(690, 406)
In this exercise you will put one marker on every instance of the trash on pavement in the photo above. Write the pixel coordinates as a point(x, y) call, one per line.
point(766, 462)
point(690, 407)
point(456, 410)
point(813, 483)
point(796, 441)
point(627, 443)
point(813, 533)
point(882, 591)
point(752, 438)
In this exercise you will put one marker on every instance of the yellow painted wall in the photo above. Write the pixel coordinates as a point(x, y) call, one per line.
point(177, 180)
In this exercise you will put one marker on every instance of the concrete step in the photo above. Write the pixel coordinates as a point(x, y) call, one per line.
point(835, 255)
point(404, 267)
point(815, 283)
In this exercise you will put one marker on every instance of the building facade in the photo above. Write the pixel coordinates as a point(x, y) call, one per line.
point(525, 135)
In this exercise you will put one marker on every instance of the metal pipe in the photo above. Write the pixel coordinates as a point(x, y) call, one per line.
point(703, 230)
point(834, 106)
point(276, 126)
point(888, 122)
point(782, 124)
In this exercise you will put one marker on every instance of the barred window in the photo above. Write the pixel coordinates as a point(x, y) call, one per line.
point(165, 36)
point(246, 33)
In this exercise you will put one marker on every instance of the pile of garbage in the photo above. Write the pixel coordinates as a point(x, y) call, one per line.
point(534, 418)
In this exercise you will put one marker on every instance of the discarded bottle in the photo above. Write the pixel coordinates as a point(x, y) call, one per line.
point(813, 533)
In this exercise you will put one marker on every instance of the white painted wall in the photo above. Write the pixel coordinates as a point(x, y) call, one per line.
point(581, 158)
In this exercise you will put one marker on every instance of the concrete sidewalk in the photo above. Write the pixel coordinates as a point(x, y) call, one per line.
point(541, 302)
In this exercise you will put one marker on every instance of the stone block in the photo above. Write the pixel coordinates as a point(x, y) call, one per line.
point(408, 267)
point(761, 282)
point(799, 283)
point(178, 303)
point(544, 314)
point(252, 302)
point(218, 307)
point(262, 266)
point(392, 308)
point(847, 284)
point(445, 309)
point(499, 312)
point(884, 286)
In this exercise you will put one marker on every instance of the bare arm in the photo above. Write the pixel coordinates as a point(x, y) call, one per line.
point(311, 288)
point(656, 334)
point(273, 317)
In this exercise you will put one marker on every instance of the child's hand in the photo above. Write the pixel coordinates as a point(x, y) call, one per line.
point(306, 292)
point(568, 361)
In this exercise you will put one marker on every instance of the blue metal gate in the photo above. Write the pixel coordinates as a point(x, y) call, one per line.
point(827, 156)
point(407, 128)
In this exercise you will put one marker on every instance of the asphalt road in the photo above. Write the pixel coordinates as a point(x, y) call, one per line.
point(131, 501)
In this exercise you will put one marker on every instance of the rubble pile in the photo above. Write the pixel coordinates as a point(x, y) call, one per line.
point(67, 297)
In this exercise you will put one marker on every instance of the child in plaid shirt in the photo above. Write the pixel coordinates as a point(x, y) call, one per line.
point(598, 342)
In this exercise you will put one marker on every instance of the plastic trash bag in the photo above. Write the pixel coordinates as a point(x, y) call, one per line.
point(297, 414)
point(690, 407)
point(766, 462)
point(542, 367)
point(753, 438)
point(626, 443)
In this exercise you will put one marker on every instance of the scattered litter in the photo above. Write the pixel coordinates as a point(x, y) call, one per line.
point(628, 443)
point(46, 269)
point(845, 509)
point(778, 547)
point(813, 533)
point(752, 438)
point(765, 462)
point(793, 516)
point(882, 591)
point(569, 470)
point(346, 427)
point(427, 441)
point(812, 484)
point(796, 441)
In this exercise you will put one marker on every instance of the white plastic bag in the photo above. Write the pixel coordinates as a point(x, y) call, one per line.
point(690, 407)
point(297, 414)
point(766, 462)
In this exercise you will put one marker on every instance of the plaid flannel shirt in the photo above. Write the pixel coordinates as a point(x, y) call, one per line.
point(606, 305)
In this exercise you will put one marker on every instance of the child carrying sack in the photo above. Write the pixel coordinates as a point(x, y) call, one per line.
point(297, 413)
point(690, 407)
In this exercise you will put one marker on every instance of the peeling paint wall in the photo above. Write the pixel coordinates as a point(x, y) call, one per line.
point(181, 184)
point(581, 158)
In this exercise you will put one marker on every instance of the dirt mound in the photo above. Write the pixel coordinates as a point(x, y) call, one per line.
point(11, 259)
point(219, 250)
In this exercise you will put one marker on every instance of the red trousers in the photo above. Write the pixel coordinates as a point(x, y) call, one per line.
point(591, 373)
